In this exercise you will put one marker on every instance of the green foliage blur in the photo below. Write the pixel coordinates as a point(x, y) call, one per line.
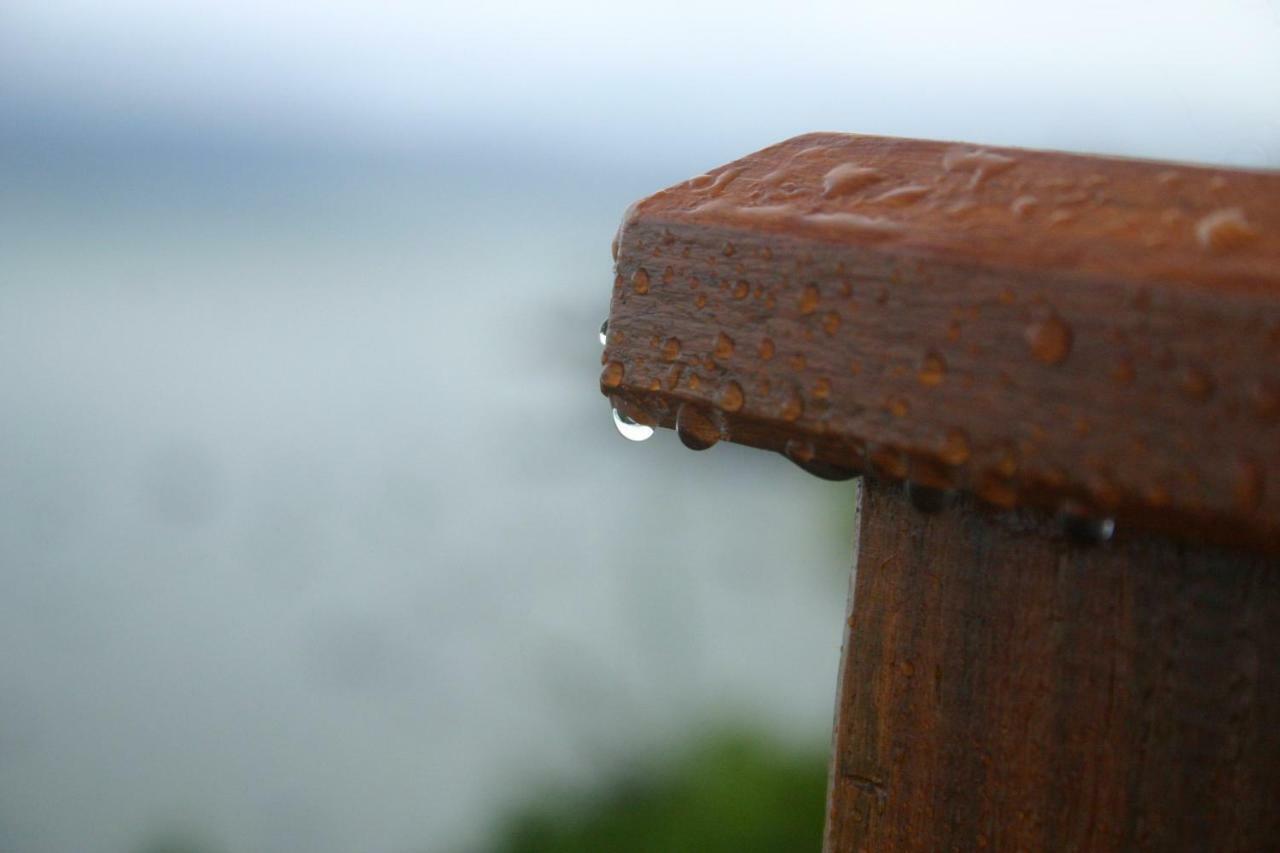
point(729, 793)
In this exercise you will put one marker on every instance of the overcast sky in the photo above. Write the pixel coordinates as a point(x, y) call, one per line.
point(1176, 79)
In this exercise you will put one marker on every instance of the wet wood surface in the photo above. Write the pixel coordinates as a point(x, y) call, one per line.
point(1004, 689)
point(1034, 328)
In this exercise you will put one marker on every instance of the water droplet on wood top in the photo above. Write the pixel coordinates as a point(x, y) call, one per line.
point(848, 178)
point(1224, 230)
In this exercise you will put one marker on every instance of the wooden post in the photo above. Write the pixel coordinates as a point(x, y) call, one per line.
point(1002, 688)
point(1041, 346)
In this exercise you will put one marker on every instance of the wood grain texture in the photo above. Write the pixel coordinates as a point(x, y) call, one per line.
point(1036, 328)
point(1003, 690)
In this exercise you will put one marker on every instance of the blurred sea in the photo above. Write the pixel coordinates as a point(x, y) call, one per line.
point(315, 533)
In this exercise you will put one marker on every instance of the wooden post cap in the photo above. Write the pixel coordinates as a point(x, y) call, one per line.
point(1039, 329)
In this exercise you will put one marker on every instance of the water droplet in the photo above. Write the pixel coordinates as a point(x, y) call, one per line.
point(1050, 340)
point(932, 369)
point(793, 407)
point(724, 346)
point(809, 298)
point(604, 332)
point(864, 228)
point(611, 376)
point(998, 491)
point(613, 248)
point(640, 281)
point(1224, 230)
point(927, 499)
point(898, 407)
point(902, 196)
point(848, 178)
point(668, 275)
point(700, 300)
point(724, 179)
point(981, 163)
point(1023, 205)
point(696, 429)
point(731, 397)
point(728, 250)
point(741, 290)
point(767, 349)
point(822, 389)
point(888, 462)
point(955, 450)
point(803, 454)
point(1085, 529)
point(629, 429)
point(800, 451)
point(831, 322)
point(798, 362)
point(671, 349)
point(673, 376)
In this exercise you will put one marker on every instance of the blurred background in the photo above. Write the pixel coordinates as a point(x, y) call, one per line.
point(315, 534)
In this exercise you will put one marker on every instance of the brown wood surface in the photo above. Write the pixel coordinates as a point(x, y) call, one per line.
point(1004, 690)
point(1036, 328)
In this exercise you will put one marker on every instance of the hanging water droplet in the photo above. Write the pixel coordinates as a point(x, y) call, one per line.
point(695, 428)
point(1085, 529)
point(955, 449)
point(792, 407)
point(803, 455)
point(629, 429)
point(604, 332)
